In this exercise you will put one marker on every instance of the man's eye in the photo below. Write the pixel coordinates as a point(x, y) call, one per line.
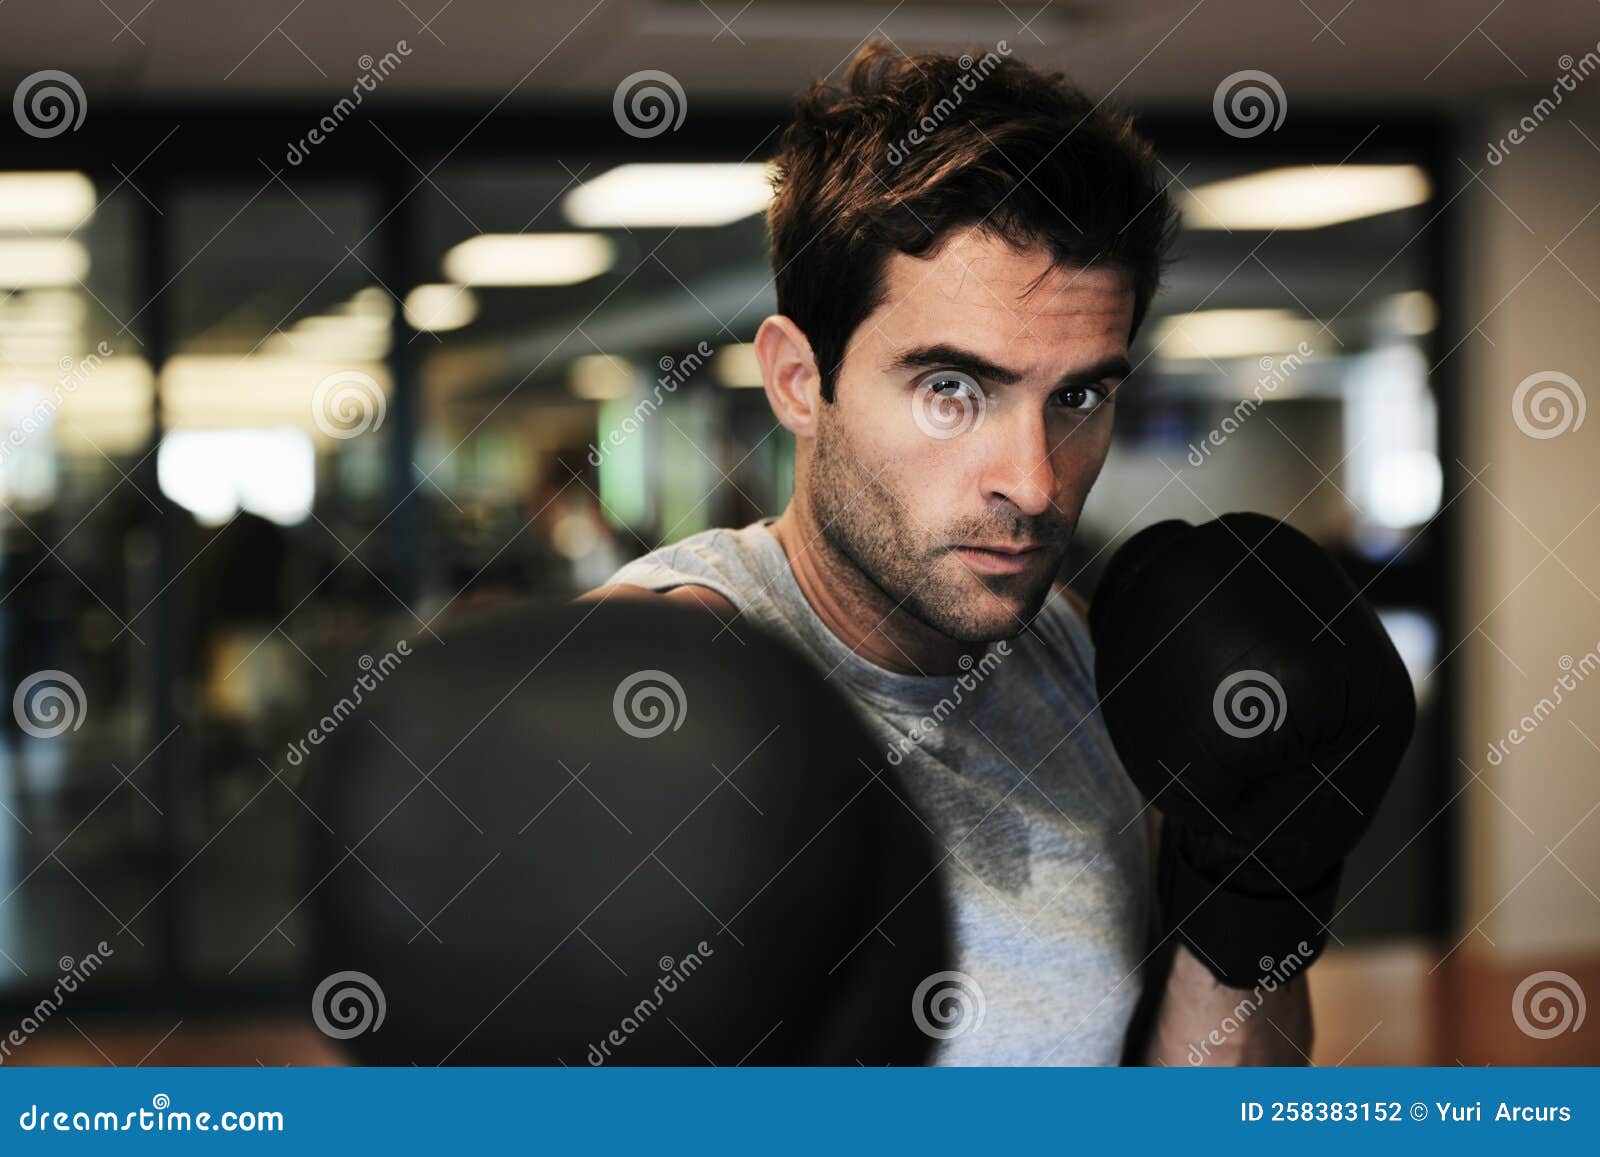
point(1084, 399)
point(952, 384)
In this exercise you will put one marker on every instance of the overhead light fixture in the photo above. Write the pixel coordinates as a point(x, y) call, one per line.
point(36, 348)
point(45, 201)
point(1414, 312)
point(438, 308)
point(96, 404)
point(737, 367)
point(43, 311)
point(667, 195)
point(334, 336)
point(529, 258)
point(216, 473)
point(1233, 333)
point(368, 301)
point(268, 390)
point(601, 377)
point(30, 262)
point(1304, 196)
point(365, 324)
point(357, 329)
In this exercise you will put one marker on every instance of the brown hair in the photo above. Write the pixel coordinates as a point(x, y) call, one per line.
point(911, 147)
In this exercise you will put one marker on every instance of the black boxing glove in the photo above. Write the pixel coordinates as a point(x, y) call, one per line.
point(608, 834)
point(1256, 700)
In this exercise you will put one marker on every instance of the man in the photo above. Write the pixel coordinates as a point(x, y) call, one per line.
point(962, 262)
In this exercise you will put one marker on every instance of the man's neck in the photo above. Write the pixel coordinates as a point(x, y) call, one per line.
point(858, 613)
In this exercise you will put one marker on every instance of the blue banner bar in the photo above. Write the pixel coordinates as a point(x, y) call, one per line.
point(809, 1111)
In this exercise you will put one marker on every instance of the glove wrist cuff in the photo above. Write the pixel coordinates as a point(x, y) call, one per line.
point(1242, 936)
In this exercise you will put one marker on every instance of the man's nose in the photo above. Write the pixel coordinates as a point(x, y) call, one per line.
point(1019, 464)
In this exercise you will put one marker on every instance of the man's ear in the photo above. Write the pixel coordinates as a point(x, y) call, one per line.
point(789, 372)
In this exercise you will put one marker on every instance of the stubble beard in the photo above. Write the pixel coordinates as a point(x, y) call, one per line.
point(869, 530)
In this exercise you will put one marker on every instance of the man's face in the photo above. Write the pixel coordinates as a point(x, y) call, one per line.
point(971, 412)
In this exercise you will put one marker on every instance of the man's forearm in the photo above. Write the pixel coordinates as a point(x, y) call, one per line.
point(1201, 1022)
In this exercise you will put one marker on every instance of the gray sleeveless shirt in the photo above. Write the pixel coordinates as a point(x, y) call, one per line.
point(1050, 860)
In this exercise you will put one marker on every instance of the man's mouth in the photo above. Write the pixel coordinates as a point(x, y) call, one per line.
point(1001, 558)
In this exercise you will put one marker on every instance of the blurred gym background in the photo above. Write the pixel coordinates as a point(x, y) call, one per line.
point(321, 318)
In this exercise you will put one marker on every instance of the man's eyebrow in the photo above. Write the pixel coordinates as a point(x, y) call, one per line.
point(942, 356)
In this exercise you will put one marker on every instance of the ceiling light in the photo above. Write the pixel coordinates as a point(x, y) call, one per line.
point(529, 258)
point(1414, 312)
point(737, 367)
point(661, 196)
point(28, 263)
point(267, 390)
point(369, 301)
point(36, 348)
point(437, 308)
point(332, 337)
point(45, 201)
point(43, 311)
point(216, 473)
point(601, 377)
point(1232, 333)
point(105, 401)
point(1304, 196)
